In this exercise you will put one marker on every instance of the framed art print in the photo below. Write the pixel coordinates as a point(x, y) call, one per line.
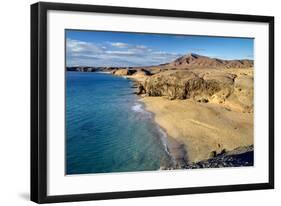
point(134, 102)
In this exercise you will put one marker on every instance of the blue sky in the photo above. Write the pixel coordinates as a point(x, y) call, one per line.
point(95, 48)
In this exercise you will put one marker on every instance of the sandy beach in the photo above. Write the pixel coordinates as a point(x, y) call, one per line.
point(202, 128)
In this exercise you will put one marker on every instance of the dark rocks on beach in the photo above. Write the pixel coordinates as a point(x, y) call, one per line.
point(242, 156)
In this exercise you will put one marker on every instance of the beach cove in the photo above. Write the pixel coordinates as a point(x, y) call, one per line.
point(202, 106)
point(214, 123)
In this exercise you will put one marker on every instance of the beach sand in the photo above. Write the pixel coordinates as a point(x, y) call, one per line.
point(201, 128)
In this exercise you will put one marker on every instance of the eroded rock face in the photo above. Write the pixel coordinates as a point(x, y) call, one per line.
point(244, 92)
point(141, 73)
point(186, 84)
point(124, 72)
point(141, 89)
point(171, 84)
point(216, 87)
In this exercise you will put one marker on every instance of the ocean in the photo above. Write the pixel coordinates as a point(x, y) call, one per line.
point(108, 129)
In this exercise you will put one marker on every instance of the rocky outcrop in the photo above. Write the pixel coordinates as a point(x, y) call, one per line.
point(109, 69)
point(245, 63)
point(218, 86)
point(140, 89)
point(173, 84)
point(140, 73)
point(124, 72)
point(244, 92)
point(185, 84)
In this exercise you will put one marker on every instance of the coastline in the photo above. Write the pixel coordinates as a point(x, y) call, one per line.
point(203, 107)
point(198, 132)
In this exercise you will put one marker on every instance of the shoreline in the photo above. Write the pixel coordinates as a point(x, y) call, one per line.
point(175, 149)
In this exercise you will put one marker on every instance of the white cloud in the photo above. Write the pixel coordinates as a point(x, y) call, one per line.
point(141, 47)
point(75, 46)
point(121, 52)
point(119, 44)
point(84, 53)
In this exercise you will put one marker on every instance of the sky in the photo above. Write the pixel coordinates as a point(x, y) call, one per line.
point(123, 49)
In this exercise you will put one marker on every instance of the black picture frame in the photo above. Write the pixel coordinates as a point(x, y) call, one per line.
point(39, 101)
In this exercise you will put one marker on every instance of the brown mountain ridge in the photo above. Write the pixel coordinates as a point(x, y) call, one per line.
point(192, 60)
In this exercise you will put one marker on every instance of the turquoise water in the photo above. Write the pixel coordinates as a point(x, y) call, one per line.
point(107, 129)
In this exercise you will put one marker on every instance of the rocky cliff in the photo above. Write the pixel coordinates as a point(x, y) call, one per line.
point(218, 86)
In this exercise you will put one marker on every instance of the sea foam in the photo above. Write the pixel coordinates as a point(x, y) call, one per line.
point(137, 108)
point(164, 139)
point(163, 136)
